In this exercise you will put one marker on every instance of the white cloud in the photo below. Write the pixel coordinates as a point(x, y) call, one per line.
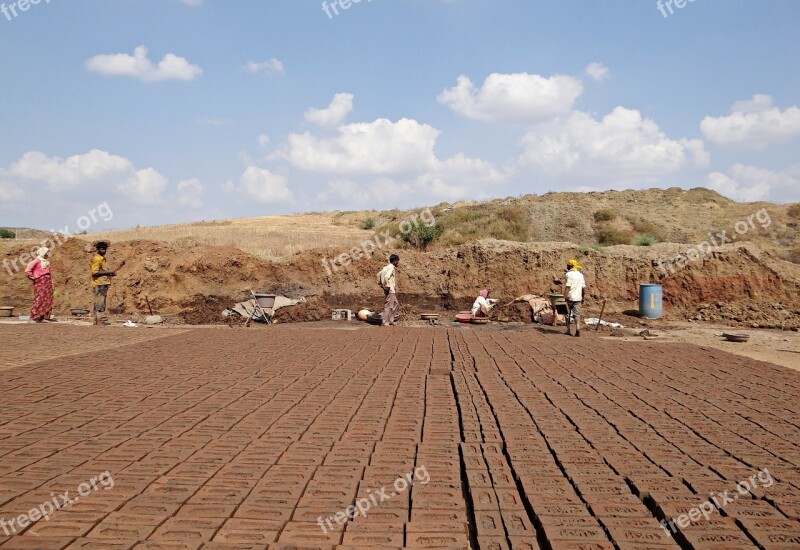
point(92, 172)
point(272, 66)
point(264, 187)
point(341, 105)
point(383, 161)
point(139, 66)
point(374, 148)
point(753, 124)
point(67, 174)
point(750, 184)
point(622, 147)
point(519, 97)
point(145, 186)
point(190, 193)
point(598, 71)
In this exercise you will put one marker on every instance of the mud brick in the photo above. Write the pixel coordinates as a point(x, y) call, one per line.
point(63, 525)
point(437, 516)
point(623, 532)
point(493, 543)
point(245, 531)
point(119, 526)
point(167, 545)
point(308, 534)
point(205, 510)
point(561, 510)
point(524, 543)
point(145, 505)
point(484, 498)
point(578, 533)
point(338, 473)
point(629, 510)
point(489, 523)
point(187, 529)
point(437, 540)
point(36, 543)
point(569, 521)
point(374, 539)
point(94, 544)
point(580, 545)
point(518, 524)
point(479, 478)
point(234, 546)
point(705, 536)
point(368, 525)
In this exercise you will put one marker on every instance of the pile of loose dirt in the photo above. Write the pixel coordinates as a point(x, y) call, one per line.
point(752, 313)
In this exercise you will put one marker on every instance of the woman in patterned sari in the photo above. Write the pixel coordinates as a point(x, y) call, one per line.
point(38, 271)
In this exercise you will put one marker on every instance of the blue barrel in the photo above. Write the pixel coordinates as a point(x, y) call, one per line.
point(650, 301)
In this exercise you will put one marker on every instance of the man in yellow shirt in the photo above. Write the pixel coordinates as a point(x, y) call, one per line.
point(101, 280)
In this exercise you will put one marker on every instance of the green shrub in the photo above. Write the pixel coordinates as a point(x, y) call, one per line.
point(611, 236)
point(7, 234)
point(604, 215)
point(644, 227)
point(645, 240)
point(369, 223)
point(794, 211)
point(422, 235)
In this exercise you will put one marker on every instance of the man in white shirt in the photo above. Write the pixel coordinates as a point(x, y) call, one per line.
point(483, 304)
point(387, 279)
point(573, 293)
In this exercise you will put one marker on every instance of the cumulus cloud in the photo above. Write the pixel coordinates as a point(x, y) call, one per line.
point(190, 193)
point(272, 66)
point(519, 97)
point(341, 105)
point(89, 172)
point(264, 187)
point(145, 186)
point(139, 66)
point(375, 148)
point(598, 71)
point(749, 183)
point(753, 124)
point(383, 161)
point(621, 147)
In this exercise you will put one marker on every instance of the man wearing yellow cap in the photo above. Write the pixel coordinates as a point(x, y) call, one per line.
point(573, 292)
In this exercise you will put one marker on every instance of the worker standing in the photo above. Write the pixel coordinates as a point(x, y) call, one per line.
point(101, 280)
point(387, 279)
point(573, 292)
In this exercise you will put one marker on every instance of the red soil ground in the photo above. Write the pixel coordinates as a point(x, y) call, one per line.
point(223, 438)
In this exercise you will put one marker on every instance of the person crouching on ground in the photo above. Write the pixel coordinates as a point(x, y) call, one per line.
point(38, 271)
point(573, 292)
point(483, 304)
point(101, 280)
point(387, 279)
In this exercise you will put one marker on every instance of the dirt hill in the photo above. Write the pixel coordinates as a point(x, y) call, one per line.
point(588, 219)
point(195, 282)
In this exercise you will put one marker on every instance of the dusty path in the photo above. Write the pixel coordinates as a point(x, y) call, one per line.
point(221, 438)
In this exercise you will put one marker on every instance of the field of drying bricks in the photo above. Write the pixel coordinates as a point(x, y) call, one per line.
point(284, 437)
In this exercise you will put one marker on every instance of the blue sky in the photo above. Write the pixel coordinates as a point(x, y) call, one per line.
point(181, 110)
